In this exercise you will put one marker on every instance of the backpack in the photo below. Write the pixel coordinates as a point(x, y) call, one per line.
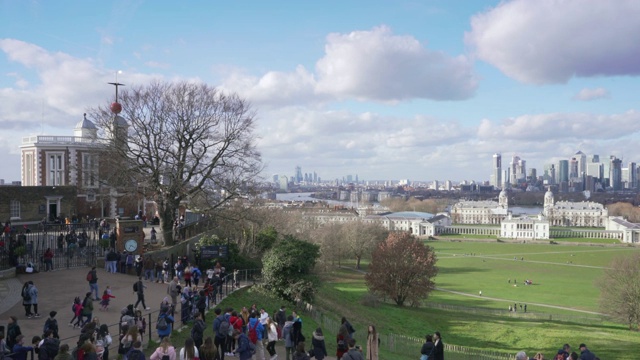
point(49, 325)
point(253, 334)
point(135, 286)
point(224, 328)
point(134, 355)
point(162, 324)
point(342, 345)
point(89, 276)
point(26, 296)
point(51, 347)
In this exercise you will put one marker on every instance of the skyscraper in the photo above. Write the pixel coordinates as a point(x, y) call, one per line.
point(496, 174)
point(298, 177)
point(563, 171)
point(615, 177)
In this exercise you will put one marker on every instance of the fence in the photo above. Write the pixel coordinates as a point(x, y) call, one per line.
point(402, 346)
point(73, 245)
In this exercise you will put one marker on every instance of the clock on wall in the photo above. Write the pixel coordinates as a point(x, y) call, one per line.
point(131, 245)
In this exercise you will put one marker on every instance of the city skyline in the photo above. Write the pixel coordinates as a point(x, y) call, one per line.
point(419, 91)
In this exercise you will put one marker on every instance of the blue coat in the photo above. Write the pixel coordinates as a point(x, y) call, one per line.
point(167, 331)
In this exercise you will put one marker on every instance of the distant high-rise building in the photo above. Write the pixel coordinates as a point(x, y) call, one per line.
point(563, 171)
point(595, 158)
point(518, 170)
point(581, 159)
point(275, 178)
point(615, 175)
point(298, 176)
point(496, 173)
point(315, 177)
point(435, 185)
point(595, 170)
point(448, 185)
point(629, 176)
point(549, 176)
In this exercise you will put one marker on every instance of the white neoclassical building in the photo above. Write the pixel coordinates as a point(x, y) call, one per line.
point(578, 214)
point(481, 212)
point(526, 228)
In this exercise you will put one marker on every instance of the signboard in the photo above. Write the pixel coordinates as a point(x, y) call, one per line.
point(213, 251)
point(130, 229)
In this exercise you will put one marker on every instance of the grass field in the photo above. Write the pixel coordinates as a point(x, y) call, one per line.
point(563, 283)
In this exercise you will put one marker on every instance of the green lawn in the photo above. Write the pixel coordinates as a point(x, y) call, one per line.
point(563, 276)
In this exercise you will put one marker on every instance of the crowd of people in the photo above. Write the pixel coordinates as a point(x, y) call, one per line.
point(564, 353)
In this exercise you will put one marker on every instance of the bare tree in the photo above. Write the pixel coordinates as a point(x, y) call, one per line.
point(185, 142)
point(361, 238)
point(403, 269)
point(620, 290)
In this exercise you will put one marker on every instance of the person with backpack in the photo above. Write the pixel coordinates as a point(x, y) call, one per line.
point(136, 352)
point(13, 331)
point(427, 348)
point(220, 329)
point(255, 331)
point(76, 308)
point(51, 325)
point(245, 349)
point(92, 278)
point(138, 288)
point(197, 330)
point(87, 310)
point(164, 324)
point(48, 347)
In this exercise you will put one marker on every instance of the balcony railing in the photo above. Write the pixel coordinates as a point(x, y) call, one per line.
point(46, 139)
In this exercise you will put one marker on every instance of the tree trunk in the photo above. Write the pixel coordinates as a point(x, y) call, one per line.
point(167, 217)
point(358, 262)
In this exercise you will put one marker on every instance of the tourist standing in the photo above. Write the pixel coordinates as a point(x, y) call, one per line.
point(92, 278)
point(318, 347)
point(438, 347)
point(372, 343)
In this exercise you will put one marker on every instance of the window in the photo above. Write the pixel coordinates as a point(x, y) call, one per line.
point(14, 209)
point(28, 170)
point(56, 170)
point(89, 170)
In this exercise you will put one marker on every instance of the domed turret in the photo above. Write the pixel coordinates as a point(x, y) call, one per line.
point(85, 128)
point(548, 198)
point(503, 199)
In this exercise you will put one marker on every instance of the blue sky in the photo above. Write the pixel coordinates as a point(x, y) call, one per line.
point(424, 90)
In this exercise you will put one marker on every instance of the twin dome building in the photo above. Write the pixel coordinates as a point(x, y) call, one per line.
point(585, 214)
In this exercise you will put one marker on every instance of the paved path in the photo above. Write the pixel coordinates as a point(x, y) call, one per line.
point(57, 289)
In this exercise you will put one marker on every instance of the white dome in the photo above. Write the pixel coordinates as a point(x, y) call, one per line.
point(86, 124)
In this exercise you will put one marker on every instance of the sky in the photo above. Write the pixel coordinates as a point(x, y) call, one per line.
point(419, 90)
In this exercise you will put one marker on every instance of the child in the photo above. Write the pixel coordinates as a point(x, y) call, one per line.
point(141, 322)
point(77, 312)
point(105, 298)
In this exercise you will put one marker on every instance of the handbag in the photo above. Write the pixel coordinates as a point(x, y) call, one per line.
point(424, 357)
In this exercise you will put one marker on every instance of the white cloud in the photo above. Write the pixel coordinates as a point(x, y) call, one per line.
point(551, 41)
point(365, 65)
point(587, 94)
point(378, 65)
point(561, 126)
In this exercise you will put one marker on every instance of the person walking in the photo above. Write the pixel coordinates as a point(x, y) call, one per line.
point(139, 287)
point(92, 278)
point(427, 348)
point(272, 336)
point(26, 300)
point(87, 309)
point(51, 324)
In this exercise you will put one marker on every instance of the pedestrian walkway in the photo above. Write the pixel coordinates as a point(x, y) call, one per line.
point(57, 289)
